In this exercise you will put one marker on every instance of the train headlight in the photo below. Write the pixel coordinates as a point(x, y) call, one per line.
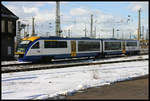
point(21, 50)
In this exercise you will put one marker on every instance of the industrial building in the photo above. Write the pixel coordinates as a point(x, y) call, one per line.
point(8, 33)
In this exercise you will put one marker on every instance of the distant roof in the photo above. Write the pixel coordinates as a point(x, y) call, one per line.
point(5, 12)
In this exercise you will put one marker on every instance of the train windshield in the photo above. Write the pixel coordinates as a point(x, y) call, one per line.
point(23, 45)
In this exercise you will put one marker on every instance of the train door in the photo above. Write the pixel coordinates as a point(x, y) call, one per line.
point(123, 48)
point(73, 48)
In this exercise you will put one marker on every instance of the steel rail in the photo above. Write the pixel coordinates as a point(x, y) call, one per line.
point(54, 66)
point(63, 60)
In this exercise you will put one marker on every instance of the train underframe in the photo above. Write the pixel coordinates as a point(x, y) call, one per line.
point(49, 58)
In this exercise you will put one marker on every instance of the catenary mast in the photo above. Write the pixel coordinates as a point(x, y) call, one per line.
point(57, 29)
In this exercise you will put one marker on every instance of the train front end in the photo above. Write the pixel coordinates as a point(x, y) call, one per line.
point(22, 48)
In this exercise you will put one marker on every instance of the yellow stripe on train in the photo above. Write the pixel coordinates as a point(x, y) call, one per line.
point(31, 38)
point(50, 40)
point(17, 53)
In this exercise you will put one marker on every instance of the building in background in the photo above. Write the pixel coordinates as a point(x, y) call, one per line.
point(8, 33)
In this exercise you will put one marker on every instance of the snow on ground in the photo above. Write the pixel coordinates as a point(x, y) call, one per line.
point(124, 58)
point(81, 61)
point(90, 60)
point(43, 84)
point(11, 62)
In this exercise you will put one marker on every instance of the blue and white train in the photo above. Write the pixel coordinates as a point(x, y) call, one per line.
point(47, 48)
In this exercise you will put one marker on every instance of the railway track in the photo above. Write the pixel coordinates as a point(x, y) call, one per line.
point(63, 61)
point(72, 63)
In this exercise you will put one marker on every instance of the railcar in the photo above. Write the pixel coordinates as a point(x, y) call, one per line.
point(112, 47)
point(118, 47)
point(132, 47)
point(47, 48)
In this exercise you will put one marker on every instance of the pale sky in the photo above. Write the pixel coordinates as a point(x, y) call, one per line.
point(76, 15)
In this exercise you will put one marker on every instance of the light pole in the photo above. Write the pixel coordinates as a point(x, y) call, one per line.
point(85, 31)
point(113, 33)
point(129, 22)
point(50, 26)
point(91, 32)
point(57, 22)
point(95, 29)
point(139, 23)
point(117, 33)
point(130, 35)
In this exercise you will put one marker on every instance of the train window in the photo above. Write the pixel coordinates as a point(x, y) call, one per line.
point(131, 43)
point(55, 44)
point(88, 46)
point(50, 44)
point(62, 44)
point(23, 45)
point(112, 45)
point(35, 46)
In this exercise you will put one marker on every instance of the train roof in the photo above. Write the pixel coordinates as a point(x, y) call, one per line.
point(31, 38)
point(67, 38)
point(120, 39)
point(75, 38)
point(57, 38)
